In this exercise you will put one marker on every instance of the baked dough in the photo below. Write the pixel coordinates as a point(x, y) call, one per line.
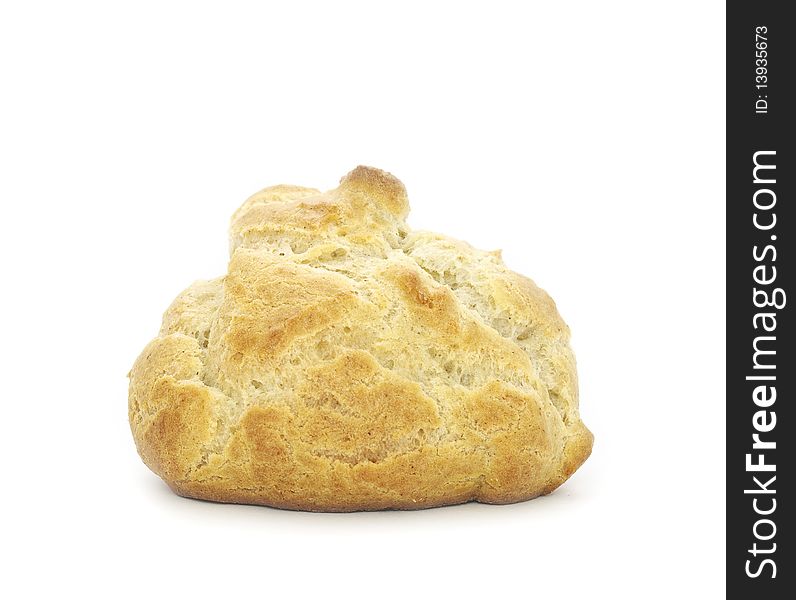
point(345, 363)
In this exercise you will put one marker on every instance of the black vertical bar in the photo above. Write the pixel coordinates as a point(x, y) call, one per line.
point(760, 229)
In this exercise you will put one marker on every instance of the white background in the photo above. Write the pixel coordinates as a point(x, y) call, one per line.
point(586, 139)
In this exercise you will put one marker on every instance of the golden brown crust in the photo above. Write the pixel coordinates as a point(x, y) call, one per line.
point(345, 363)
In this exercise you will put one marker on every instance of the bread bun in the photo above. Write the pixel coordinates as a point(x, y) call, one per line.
point(345, 362)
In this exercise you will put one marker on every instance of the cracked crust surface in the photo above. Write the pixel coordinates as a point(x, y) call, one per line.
point(347, 363)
